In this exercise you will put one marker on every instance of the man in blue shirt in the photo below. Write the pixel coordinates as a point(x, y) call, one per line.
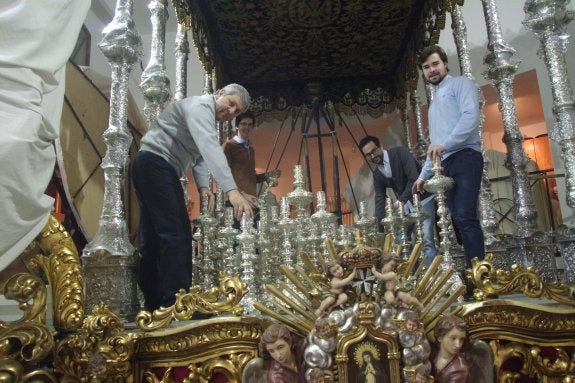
point(455, 137)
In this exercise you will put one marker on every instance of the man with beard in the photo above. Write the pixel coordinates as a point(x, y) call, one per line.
point(397, 169)
point(455, 138)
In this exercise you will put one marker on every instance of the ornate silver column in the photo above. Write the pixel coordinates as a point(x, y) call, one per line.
point(439, 184)
point(486, 212)
point(181, 52)
point(548, 19)
point(403, 114)
point(108, 260)
point(155, 82)
point(500, 72)
point(422, 141)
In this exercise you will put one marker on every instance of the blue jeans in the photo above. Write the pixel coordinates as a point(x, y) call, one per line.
point(428, 228)
point(164, 234)
point(466, 169)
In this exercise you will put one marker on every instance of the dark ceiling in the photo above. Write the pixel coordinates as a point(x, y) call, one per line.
point(286, 52)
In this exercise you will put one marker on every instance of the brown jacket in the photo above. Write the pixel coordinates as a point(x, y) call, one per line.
point(242, 163)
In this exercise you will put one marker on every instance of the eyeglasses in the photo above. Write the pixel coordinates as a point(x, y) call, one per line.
point(374, 152)
point(248, 124)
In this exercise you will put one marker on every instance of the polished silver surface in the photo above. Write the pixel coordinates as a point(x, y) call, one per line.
point(501, 70)
point(485, 202)
point(548, 19)
point(439, 185)
point(109, 261)
point(155, 82)
point(422, 141)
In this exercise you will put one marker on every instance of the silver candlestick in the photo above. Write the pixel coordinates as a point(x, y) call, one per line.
point(439, 184)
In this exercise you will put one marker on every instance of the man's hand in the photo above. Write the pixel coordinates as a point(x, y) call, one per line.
point(240, 203)
point(435, 151)
point(417, 186)
point(207, 193)
point(252, 199)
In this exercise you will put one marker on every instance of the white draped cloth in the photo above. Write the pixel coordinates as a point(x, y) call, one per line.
point(36, 40)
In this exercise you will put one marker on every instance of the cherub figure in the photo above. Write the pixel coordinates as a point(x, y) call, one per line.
point(416, 348)
point(423, 373)
point(393, 294)
point(335, 295)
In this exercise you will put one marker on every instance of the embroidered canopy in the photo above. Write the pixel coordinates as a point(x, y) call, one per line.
point(285, 52)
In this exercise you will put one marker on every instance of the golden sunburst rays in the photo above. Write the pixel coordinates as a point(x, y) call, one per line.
point(294, 299)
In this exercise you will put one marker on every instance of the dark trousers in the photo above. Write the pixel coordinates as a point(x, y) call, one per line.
point(164, 234)
point(466, 169)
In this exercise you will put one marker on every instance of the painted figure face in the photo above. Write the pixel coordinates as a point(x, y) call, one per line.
point(245, 127)
point(452, 342)
point(228, 106)
point(367, 358)
point(336, 270)
point(373, 153)
point(280, 351)
point(411, 325)
point(434, 69)
point(389, 265)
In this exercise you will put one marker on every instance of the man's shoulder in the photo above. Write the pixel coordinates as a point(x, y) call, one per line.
point(203, 100)
point(399, 151)
point(459, 81)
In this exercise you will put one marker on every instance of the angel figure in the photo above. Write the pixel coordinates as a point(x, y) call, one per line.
point(278, 345)
point(335, 296)
point(393, 294)
point(448, 361)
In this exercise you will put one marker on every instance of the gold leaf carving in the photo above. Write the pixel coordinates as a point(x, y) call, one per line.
point(528, 281)
point(64, 273)
point(225, 298)
point(101, 349)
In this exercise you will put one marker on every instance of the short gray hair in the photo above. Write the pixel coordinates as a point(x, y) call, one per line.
point(241, 91)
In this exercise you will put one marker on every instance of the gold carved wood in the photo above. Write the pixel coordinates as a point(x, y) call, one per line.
point(220, 345)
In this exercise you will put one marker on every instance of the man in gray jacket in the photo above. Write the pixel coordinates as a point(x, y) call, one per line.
point(183, 137)
point(398, 169)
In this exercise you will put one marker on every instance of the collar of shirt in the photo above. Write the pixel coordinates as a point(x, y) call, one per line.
point(385, 167)
point(241, 141)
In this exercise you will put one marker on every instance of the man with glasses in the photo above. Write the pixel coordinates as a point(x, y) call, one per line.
point(241, 159)
point(398, 169)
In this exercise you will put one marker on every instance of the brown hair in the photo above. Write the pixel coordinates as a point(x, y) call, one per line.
point(445, 324)
point(272, 334)
point(428, 51)
point(243, 116)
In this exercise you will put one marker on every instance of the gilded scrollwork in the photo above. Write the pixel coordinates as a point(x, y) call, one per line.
point(533, 362)
point(26, 342)
point(224, 298)
point(492, 281)
point(61, 265)
point(101, 349)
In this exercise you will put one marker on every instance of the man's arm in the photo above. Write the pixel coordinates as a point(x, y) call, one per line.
point(409, 166)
